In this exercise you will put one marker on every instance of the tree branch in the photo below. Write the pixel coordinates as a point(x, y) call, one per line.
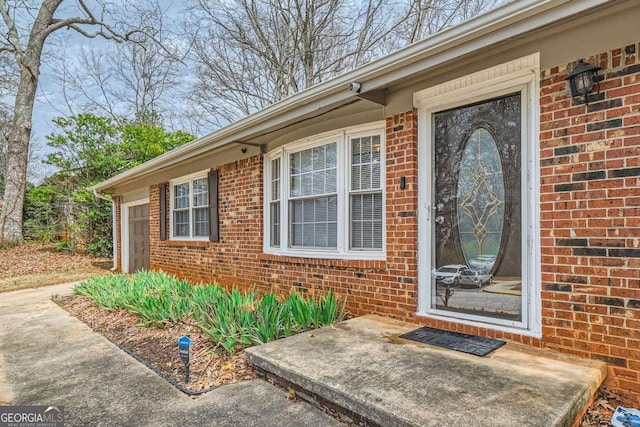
point(12, 31)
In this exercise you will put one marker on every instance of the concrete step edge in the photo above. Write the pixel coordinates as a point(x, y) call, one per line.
point(356, 411)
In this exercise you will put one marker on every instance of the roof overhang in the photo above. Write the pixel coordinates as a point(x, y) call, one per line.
point(507, 22)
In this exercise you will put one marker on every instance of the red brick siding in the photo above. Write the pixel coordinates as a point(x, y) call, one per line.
point(590, 228)
point(384, 287)
point(590, 217)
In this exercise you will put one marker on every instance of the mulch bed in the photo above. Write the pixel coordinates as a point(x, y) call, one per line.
point(600, 411)
point(159, 346)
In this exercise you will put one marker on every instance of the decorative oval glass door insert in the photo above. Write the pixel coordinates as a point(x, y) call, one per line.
point(477, 228)
point(481, 201)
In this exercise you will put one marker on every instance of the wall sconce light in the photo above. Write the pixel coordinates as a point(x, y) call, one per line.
point(584, 80)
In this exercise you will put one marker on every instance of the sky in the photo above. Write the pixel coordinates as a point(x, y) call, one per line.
point(64, 49)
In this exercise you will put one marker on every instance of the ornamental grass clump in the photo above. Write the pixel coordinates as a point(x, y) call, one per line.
point(157, 298)
point(244, 319)
point(231, 319)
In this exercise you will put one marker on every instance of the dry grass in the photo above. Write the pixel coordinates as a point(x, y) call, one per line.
point(34, 265)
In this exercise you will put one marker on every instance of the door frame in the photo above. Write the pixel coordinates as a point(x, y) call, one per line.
point(521, 75)
point(124, 230)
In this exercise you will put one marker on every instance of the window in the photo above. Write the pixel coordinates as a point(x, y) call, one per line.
point(190, 208)
point(313, 197)
point(274, 204)
point(366, 194)
point(324, 196)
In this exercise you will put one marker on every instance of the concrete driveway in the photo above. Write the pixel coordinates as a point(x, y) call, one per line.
point(48, 357)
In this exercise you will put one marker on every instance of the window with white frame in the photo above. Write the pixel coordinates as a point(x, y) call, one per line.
point(274, 204)
point(365, 198)
point(313, 197)
point(190, 208)
point(325, 195)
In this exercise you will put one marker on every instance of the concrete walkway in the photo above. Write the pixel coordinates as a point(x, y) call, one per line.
point(48, 357)
point(363, 366)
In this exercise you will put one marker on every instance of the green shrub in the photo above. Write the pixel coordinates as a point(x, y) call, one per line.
point(230, 319)
point(157, 298)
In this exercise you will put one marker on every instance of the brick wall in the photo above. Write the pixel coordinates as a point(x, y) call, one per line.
point(383, 287)
point(590, 217)
point(590, 228)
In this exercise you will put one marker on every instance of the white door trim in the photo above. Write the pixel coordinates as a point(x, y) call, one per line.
point(521, 75)
point(124, 230)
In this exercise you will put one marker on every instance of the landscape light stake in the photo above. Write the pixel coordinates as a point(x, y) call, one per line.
point(184, 350)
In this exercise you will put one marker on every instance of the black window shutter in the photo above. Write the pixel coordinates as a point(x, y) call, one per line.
point(214, 223)
point(163, 211)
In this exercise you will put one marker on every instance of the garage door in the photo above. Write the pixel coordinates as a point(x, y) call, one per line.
point(138, 238)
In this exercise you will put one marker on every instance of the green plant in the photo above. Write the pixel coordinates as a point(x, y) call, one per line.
point(230, 319)
point(86, 149)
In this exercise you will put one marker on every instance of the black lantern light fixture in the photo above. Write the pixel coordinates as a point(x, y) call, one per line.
point(584, 80)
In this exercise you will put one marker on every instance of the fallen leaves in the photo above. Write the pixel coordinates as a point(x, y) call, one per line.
point(35, 258)
point(34, 265)
point(292, 394)
point(159, 347)
point(600, 411)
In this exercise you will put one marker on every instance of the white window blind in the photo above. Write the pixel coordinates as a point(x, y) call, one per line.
point(274, 203)
point(313, 202)
point(366, 193)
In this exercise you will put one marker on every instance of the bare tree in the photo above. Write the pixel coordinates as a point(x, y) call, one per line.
point(5, 125)
point(427, 17)
point(26, 29)
point(249, 54)
point(135, 80)
point(35, 174)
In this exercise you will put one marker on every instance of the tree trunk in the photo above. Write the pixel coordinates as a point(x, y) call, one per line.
point(17, 157)
point(20, 135)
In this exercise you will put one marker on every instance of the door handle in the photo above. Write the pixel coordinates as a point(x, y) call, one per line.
point(439, 219)
point(430, 208)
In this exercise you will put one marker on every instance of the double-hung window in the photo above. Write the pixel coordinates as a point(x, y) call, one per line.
point(324, 196)
point(190, 208)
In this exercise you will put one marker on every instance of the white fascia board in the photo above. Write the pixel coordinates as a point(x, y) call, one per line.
point(508, 21)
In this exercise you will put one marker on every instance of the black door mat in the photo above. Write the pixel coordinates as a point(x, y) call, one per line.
point(471, 344)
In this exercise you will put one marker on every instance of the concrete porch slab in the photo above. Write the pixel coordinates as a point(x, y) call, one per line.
point(362, 366)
